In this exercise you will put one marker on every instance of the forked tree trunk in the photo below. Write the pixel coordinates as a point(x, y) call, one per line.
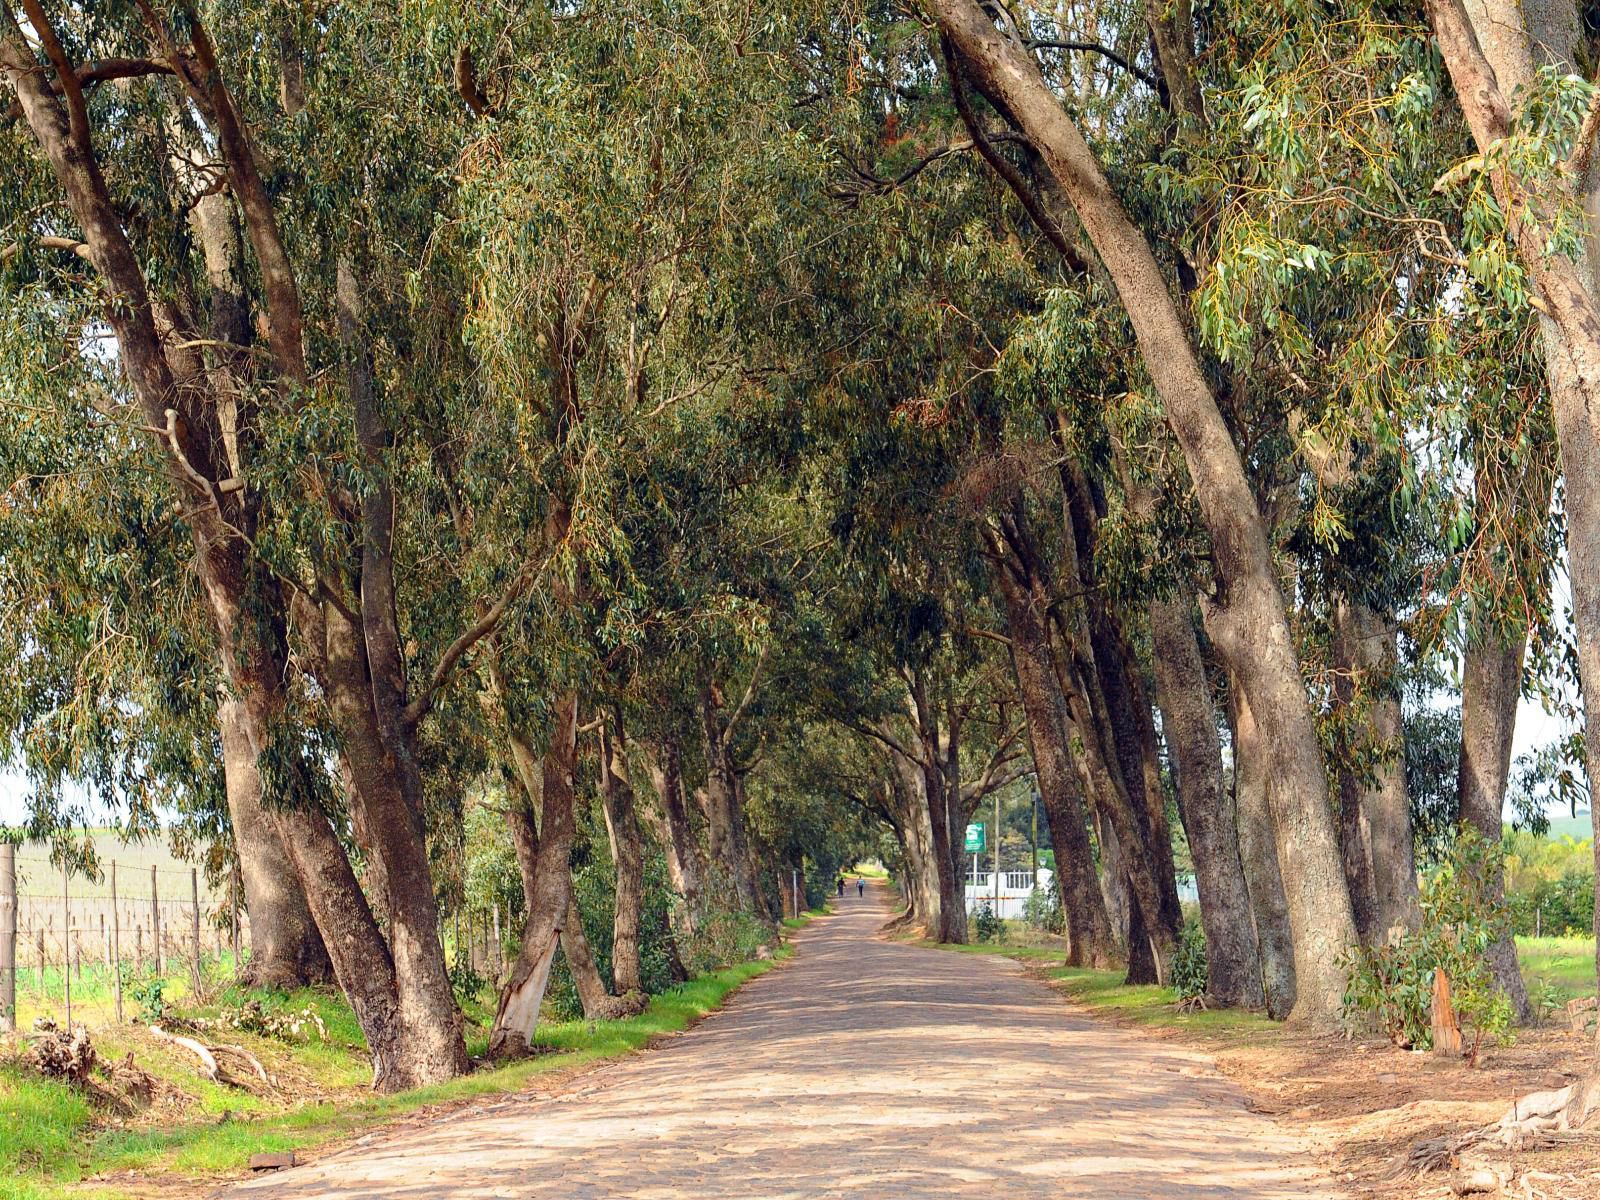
point(1258, 852)
point(549, 898)
point(627, 855)
point(1247, 618)
point(1190, 720)
point(403, 1054)
point(286, 951)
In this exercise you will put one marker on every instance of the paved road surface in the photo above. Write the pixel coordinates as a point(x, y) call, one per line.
point(862, 1069)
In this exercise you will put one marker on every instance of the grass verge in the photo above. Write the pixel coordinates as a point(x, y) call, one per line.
point(58, 1143)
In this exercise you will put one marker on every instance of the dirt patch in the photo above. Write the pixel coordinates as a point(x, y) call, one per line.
point(1364, 1103)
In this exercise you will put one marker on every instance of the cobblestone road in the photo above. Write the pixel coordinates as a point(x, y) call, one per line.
point(862, 1068)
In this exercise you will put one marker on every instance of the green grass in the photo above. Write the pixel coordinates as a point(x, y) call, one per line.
point(1566, 964)
point(871, 870)
point(53, 1140)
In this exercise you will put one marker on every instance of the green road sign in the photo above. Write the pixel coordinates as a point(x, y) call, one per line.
point(975, 844)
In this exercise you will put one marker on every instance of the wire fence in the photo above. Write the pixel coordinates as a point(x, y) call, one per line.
point(73, 948)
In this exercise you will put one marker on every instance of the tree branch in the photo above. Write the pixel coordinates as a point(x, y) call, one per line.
point(81, 249)
point(1110, 55)
point(749, 691)
point(1004, 167)
point(422, 704)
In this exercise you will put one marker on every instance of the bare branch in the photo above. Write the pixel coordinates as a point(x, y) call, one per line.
point(1105, 52)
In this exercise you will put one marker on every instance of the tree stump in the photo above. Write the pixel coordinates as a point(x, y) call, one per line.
point(1446, 1033)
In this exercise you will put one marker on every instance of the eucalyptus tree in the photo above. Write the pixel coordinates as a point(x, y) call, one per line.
point(1535, 130)
point(601, 307)
point(288, 457)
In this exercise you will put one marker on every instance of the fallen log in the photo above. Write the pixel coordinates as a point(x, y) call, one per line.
point(208, 1060)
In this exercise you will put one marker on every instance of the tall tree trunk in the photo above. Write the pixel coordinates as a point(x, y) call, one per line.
point(434, 1049)
point(909, 809)
point(684, 866)
point(1376, 811)
point(1119, 700)
point(549, 890)
point(286, 951)
point(1258, 851)
point(1491, 50)
point(730, 849)
point(622, 826)
point(1207, 808)
point(1246, 618)
point(1032, 660)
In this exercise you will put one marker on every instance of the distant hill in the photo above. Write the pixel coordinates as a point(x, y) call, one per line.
point(1578, 827)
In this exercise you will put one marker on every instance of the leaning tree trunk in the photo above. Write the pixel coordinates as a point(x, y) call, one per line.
point(254, 670)
point(286, 951)
point(1209, 818)
point(549, 901)
point(622, 826)
point(1258, 852)
point(1247, 617)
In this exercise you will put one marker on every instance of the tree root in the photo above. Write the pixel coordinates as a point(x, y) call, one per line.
point(1534, 1121)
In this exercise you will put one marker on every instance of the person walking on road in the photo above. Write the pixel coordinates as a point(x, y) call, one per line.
point(841, 886)
point(861, 886)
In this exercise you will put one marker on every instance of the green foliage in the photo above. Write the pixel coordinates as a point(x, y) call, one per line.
point(1393, 984)
point(1042, 910)
point(1190, 976)
point(987, 927)
point(147, 990)
point(465, 983)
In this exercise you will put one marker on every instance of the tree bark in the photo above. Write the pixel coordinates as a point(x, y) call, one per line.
point(730, 846)
point(622, 827)
point(1365, 645)
point(1032, 660)
point(1247, 618)
point(1207, 808)
point(286, 951)
point(684, 865)
point(548, 886)
point(1258, 852)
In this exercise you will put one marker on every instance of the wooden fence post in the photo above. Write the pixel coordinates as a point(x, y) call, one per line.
point(116, 942)
point(66, 939)
point(194, 899)
point(155, 918)
point(8, 937)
